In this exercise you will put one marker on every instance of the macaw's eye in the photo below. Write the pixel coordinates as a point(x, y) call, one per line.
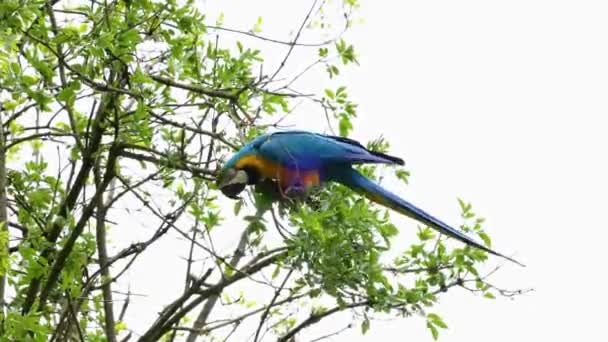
point(233, 190)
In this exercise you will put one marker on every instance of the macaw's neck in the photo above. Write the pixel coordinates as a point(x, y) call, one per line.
point(265, 168)
point(288, 176)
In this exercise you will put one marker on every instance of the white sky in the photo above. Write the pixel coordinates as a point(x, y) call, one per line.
point(503, 104)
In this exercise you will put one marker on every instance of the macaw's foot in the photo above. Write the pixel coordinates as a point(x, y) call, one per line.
point(314, 203)
point(295, 192)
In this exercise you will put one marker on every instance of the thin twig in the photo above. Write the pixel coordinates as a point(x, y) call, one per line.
point(274, 298)
point(294, 41)
point(272, 40)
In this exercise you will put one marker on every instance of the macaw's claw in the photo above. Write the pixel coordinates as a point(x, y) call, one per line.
point(314, 203)
point(295, 191)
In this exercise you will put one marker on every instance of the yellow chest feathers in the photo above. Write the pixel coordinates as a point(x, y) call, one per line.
point(273, 170)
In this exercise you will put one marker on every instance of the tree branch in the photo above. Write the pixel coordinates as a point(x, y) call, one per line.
point(196, 171)
point(88, 160)
point(64, 83)
point(78, 229)
point(194, 88)
point(102, 253)
point(172, 314)
point(294, 41)
point(316, 317)
point(217, 136)
point(274, 298)
point(219, 28)
point(4, 247)
point(243, 316)
point(210, 303)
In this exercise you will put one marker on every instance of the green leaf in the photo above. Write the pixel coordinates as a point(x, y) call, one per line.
point(29, 81)
point(129, 38)
point(388, 230)
point(365, 326)
point(140, 77)
point(341, 92)
point(257, 28)
point(436, 320)
point(237, 207)
point(120, 326)
point(65, 94)
point(486, 239)
point(4, 254)
point(15, 68)
point(433, 330)
point(42, 99)
point(426, 234)
point(345, 126)
point(465, 207)
point(220, 19)
point(9, 105)
point(276, 272)
point(15, 128)
point(403, 175)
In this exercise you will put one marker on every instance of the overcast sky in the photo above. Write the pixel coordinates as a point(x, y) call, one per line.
point(505, 104)
point(502, 103)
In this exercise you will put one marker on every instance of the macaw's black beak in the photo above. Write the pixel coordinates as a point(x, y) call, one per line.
point(233, 190)
point(233, 183)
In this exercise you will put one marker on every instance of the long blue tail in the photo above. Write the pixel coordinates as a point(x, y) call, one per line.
point(356, 181)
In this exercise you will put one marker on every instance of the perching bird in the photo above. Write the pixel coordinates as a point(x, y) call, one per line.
point(300, 160)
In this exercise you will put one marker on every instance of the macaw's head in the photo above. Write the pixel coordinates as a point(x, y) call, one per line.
point(237, 173)
point(232, 182)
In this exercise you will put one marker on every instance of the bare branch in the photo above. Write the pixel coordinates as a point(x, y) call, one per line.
point(338, 332)
point(196, 171)
point(282, 65)
point(316, 317)
point(257, 36)
point(172, 314)
point(74, 316)
point(217, 136)
point(102, 252)
point(210, 303)
point(62, 77)
point(4, 248)
point(194, 88)
point(87, 213)
point(274, 298)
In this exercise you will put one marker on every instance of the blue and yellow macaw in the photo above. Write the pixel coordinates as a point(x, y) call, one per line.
point(300, 160)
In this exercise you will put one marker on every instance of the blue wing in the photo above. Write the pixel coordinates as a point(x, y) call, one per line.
point(306, 150)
